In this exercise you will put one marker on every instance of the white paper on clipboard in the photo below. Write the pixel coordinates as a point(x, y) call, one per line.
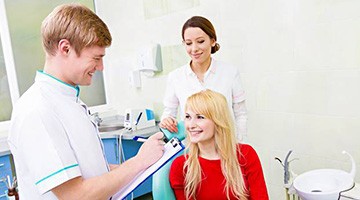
point(171, 148)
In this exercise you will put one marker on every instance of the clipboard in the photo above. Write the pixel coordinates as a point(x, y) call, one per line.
point(171, 148)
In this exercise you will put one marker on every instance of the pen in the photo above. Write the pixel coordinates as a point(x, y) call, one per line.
point(138, 119)
point(142, 139)
point(139, 139)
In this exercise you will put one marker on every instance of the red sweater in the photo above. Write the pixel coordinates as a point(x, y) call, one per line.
point(213, 182)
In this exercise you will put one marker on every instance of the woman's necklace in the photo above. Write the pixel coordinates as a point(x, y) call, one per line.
point(200, 77)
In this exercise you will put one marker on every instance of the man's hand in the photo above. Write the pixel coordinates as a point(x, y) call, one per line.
point(152, 150)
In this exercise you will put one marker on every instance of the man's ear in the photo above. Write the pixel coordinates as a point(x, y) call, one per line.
point(64, 46)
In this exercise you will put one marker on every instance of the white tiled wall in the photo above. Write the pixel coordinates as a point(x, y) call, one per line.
point(300, 64)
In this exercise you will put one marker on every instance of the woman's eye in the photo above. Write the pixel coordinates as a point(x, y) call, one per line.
point(188, 44)
point(187, 117)
point(201, 41)
point(201, 117)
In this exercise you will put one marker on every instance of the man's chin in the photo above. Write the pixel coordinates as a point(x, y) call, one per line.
point(87, 82)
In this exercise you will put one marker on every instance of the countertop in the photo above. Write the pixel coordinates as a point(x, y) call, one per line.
point(123, 133)
point(128, 135)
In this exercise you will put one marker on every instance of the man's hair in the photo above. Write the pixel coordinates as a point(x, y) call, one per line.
point(77, 24)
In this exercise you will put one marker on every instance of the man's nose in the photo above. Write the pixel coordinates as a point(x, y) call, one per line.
point(100, 65)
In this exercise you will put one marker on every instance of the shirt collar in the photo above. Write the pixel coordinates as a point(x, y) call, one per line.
point(65, 88)
point(212, 68)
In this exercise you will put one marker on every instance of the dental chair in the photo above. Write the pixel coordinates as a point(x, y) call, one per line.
point(161, 189)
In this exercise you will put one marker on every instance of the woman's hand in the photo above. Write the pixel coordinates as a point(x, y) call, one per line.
point(170, 124)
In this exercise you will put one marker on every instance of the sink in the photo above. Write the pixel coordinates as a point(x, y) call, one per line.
point(111, 123)
point(110, 128)
point(324, 184)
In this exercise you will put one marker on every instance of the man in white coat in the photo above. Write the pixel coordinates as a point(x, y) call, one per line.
point(56, 147)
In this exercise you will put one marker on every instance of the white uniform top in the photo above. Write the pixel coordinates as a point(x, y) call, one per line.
point(220, 77)
point(53, 139)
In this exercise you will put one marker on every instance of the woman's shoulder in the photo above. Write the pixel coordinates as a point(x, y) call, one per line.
point(177, 75)
point(224, 63)
point(178, 70)
point(177, 163)
point(179, 160)
point(246, 150)
point(225, 66)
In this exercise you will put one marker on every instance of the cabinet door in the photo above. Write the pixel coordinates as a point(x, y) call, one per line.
point(130, 149)
point(5, 170)
point(111, 148)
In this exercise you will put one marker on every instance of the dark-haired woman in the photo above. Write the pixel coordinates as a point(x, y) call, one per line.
point(203, 72)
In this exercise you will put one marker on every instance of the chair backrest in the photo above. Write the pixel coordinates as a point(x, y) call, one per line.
point(161, 189)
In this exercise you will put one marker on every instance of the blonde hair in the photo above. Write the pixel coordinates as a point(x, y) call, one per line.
point(76, 23)
point(214, 106)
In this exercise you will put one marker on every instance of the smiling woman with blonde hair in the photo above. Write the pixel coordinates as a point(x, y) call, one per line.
point(215, 166)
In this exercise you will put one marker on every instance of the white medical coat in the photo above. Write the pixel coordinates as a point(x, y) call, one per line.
point(53, 139)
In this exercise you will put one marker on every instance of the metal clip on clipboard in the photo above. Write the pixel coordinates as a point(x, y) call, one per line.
point(175, 141)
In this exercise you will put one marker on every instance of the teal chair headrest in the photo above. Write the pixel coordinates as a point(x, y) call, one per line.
point(180, 134)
